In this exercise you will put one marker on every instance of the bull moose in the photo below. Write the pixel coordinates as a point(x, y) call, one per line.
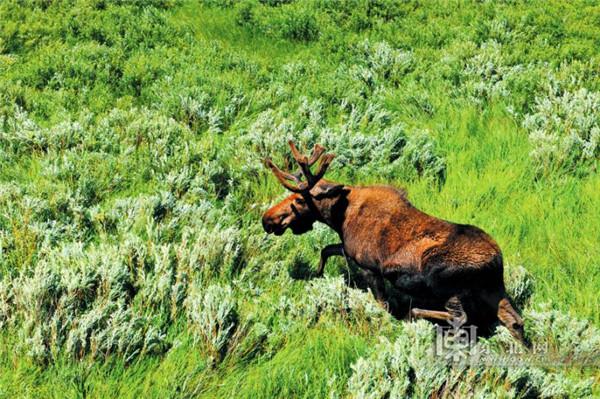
point(447, 269)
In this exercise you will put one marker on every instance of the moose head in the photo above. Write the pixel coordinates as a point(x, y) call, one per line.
point(304, 206)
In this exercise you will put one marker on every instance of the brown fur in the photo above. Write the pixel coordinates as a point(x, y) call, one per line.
point(429, 259)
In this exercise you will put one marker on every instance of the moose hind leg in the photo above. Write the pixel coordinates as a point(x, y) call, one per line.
point(509, 317)
point(506, 314)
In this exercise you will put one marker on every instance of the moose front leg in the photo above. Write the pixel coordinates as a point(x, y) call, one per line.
point(330, 250)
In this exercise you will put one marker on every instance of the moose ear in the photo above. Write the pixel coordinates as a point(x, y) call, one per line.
point(325, 190)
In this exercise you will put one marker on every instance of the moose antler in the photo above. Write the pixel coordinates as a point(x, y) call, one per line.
point(305, 163)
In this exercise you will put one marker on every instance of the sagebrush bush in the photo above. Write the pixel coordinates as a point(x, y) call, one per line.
point(78, 302)
point(564, 129)
point(393, 151)
point(213, 314)
point(215, 252)
point(381, 62)
point(519, 285)
point(114, 330)
point(400, 369)
point(6, 301)
point(567, 338)
point(409, 367)
point(488, 73)
point(332, 297)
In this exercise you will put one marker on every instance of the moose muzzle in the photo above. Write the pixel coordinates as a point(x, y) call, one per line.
point(276, 224)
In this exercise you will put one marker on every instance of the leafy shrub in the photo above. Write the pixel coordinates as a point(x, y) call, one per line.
point(76, 302)
point(408, 368)
point(390, 153)
point(296, 22)
point(400, 369)
point(299, 24)
point(245, 12)
point(220, 3)
point(333, 298)
point(275, 3)
point(564, 129)
point(363, 14)
point(213, 313)
point(519, 285)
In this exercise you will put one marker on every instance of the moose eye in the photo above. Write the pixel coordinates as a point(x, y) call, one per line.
point(299, 201)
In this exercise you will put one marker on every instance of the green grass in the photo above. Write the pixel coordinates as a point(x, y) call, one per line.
point(300, 369)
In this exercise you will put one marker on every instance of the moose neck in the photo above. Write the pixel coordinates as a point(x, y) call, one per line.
point(331, 210)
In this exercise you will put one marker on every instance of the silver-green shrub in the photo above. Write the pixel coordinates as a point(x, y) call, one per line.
point(20, 134)
point(379, 64)
point(519, 285)
point(409, 367)
point(404, 368)
point(113, 328)
point(213, 315)
point(331, 297)
point(566, 338)
point(78, 302)
point(366, 140)
point(564, 129)
point(5, 303)
point(488, 73)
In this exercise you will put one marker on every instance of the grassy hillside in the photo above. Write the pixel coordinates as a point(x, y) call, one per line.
point(132, 260)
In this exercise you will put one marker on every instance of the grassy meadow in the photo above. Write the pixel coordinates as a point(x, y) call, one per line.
point(132, 258)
